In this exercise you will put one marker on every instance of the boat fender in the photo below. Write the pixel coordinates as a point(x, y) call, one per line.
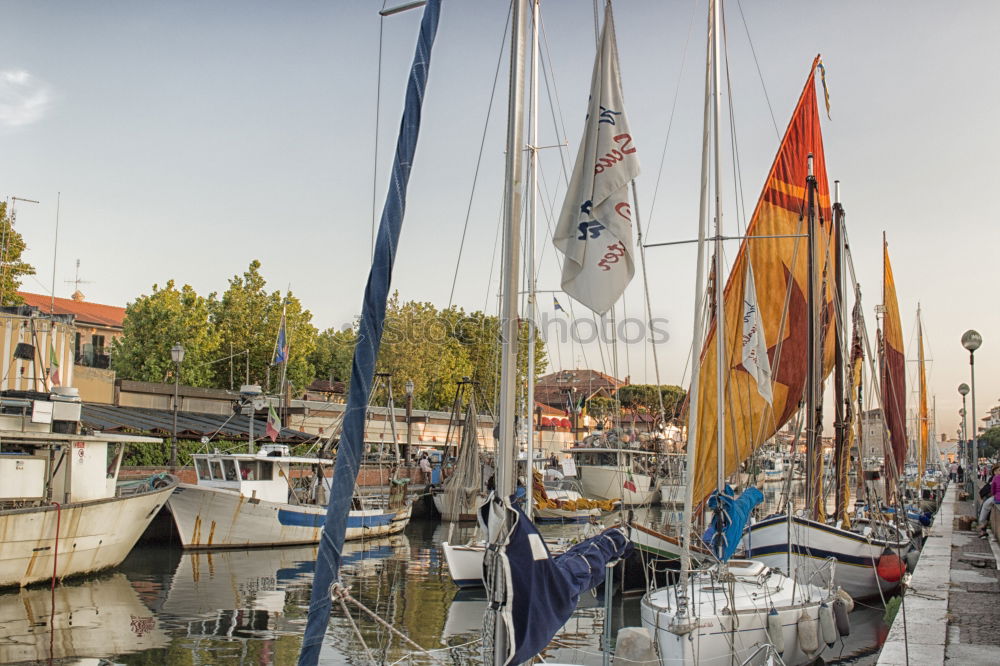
point(911, 560)
point(775, 632)
point(842, 616)
point(807, 633)
point(890, 567)
point(826, 624)
point(846, 598)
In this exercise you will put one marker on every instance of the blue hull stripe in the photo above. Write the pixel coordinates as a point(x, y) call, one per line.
point(782, 549)
point(303, 519)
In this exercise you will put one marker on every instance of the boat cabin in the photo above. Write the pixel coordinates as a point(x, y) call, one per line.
point(636, 461)
point(266, 475)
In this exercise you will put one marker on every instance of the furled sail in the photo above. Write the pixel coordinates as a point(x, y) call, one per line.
point(893, 366)
point(781, 274)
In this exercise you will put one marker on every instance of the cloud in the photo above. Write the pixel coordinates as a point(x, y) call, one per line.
point(23, 98)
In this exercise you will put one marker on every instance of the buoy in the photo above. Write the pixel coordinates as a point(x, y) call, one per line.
point(890, 567)
point(775, 632)
point(846, 598)
point(808, 639)
point(911, 559)
point(826, 624)
point(842, 617)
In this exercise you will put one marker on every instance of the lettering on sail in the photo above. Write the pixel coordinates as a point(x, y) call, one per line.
point(615, 155)
point(617, 251)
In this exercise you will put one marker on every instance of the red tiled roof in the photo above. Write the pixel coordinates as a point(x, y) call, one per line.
point(86, 313)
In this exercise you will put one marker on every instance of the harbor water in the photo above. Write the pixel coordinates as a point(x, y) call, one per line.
point(167, 606)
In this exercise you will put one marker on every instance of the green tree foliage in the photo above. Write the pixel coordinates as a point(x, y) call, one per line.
point(989, 443)
point(334, 352)
point(642, 399)
point(12, 269)
point(602, 409)
point(247, 317)
point(153, 324)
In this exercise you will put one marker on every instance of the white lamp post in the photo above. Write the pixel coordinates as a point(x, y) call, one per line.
point(971, 340)
point(177, 356)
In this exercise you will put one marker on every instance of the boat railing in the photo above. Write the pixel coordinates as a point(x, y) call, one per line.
point(765, 651)
point(828, 563)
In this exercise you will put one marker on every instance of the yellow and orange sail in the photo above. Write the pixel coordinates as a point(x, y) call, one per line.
point(780, 267)
point(924, 423)
point(893, 366)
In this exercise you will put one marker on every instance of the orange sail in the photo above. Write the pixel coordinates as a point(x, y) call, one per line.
point(780, 267)
point(893, 367)
point(924, 423)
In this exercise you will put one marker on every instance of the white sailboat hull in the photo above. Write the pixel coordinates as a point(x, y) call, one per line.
point(813, 544)
point(92, 536)
point(720, 637)
point(465, 563)
point(208, 517)
point(608, 483)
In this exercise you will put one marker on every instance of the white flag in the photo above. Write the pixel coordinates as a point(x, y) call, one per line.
point(755, 358)
point(595, 225)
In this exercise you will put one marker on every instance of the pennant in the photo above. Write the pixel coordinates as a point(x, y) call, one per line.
point(281, 349)
point(555, 304)
point(273, 429)
point(595, 225)
point(53, 367)
point(754, 344)
point(781, 278)
point(629, 483)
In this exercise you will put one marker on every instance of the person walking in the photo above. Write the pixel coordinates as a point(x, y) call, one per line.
point(425, 468)
point(993, 498)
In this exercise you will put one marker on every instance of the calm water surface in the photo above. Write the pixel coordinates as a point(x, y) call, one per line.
point(164, 606)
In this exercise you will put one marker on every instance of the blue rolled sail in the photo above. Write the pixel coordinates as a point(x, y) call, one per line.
point(543, 590)
point(730, 517)
point(330, 555)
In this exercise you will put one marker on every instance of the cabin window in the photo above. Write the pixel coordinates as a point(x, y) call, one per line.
point(217, 471)
point(203, 470)
point(266, 471)
point(230, 467)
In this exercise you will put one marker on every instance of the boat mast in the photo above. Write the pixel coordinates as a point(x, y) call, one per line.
point(513, 194)
point(532, 202)
point(841, 401)
point(720, 306)
point(699, 322)
point(814, 477)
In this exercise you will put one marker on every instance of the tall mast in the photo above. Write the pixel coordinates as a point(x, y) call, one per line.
point(532, 202)
point(513, 194)
point(814, 478)
point(720, 306)
point(699, 306)
point(840, 399)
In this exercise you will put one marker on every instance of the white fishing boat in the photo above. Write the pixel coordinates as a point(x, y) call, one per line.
point(62, 510)
point(616, 473)
point(271, 498)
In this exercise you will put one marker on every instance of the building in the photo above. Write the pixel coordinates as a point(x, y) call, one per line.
point(37, 349)
point(96, 325)
point(872, 434)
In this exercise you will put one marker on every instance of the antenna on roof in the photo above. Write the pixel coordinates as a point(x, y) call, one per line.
point(76, 282)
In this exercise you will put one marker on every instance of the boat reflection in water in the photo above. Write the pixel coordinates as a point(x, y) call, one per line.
point(94, 618)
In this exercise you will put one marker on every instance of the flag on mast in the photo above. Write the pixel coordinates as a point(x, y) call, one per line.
point(281, 349)
point(595, 225)
point(53, 367)
point(273, 424)
point(754, 357)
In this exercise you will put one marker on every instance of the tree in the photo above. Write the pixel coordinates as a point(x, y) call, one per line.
point(334, 354)
point(11, 267)
point(601, 409)
point(153, 324)
point(989, 443)
point(642, 398)
point(247, 317)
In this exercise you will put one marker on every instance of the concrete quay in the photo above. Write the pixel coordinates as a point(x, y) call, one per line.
point(951, 612)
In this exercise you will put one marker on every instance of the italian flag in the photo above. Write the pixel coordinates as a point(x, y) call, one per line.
point(629, 483)
point(53, 366)
point(273, 423)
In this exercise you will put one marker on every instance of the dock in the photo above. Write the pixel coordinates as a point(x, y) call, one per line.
point(951, 612)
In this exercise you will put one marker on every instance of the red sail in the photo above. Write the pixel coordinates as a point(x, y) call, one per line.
point(893, 367)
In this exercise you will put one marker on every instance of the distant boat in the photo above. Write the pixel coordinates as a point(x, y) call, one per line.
point(62, 510)
point(271, 498)
point(616, 473)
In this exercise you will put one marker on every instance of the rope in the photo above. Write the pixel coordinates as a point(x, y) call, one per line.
point(354, 626)
point(342, 595)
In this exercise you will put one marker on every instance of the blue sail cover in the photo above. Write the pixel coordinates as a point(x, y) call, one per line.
point(542, 591)
point(730, 517)
point(330, 555)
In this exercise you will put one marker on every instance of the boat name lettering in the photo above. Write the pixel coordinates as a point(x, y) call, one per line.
point(616, 155)
point(612, 257)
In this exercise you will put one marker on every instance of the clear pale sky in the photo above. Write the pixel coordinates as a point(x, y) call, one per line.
point(188, 138)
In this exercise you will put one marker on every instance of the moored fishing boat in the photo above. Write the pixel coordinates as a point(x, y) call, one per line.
point(271, 498)
point(62, 510)
point(616, 473)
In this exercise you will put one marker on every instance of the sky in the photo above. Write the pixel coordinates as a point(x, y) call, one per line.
point(186, 139)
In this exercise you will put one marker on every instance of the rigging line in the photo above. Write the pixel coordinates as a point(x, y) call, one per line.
point(556, 107)
point(741, 211)
point(670, 120)
point(493, 263)
point(756, 63)
point(583, 349)
point(378, 106)
point(479, 157)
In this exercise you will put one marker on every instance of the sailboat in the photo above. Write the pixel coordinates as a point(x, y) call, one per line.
point(741, 610)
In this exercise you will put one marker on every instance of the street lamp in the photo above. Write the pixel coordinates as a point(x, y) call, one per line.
point(963, 390)
point(177, 355)
point(971, 340)
point(409, 417)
